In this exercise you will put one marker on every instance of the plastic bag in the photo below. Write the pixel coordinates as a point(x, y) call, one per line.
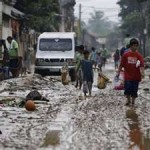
point(119, 81)
point(85, 87)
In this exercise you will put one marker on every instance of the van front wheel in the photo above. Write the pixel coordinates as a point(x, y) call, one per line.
point(41, 72)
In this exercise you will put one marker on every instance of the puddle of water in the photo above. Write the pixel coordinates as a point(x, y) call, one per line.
point(139, 142)
point(60, 131)
point(52, 138)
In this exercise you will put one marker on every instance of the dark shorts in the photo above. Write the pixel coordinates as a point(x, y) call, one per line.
point(104, 60)
point(94, 62)
point(79, 76)
point(14, 63)
point(131, 88)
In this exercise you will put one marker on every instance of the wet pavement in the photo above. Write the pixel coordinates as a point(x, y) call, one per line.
point(71, 122)
point(137, 138)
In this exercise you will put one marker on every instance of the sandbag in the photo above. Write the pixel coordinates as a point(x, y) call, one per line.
point(102, 81)
point(65, 75)
point(65, 78)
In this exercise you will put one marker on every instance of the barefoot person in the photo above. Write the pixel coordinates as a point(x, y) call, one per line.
point(87, 73)
point(133, 64)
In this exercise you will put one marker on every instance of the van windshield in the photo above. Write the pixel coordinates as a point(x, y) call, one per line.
point(55, 44)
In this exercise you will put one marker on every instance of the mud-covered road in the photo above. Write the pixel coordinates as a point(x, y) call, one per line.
point(69, 122)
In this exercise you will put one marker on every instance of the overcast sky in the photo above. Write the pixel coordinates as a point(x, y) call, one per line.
point(110, 8)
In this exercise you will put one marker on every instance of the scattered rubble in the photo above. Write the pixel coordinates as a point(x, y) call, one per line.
point(63, 120)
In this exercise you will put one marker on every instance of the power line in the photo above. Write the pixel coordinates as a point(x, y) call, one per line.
point(103, 16)
point(85, 12)
point(86, 9)
point(92, 7)
point(98, 18)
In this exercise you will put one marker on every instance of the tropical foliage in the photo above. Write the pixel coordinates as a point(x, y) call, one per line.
point(41, 15)
point(136, 20)
point(132, 17)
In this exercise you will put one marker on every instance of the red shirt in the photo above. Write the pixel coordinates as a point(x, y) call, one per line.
point(128, 62)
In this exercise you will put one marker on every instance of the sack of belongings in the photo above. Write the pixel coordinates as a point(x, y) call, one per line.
point(102, 81)
point(65, 75)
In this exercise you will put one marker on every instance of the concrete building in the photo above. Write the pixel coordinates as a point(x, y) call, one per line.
point(9, 20)
point(11, 25)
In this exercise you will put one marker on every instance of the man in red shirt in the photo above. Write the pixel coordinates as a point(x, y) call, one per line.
point(133, 64)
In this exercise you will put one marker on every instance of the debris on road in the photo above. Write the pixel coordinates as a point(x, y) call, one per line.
point(64, 120)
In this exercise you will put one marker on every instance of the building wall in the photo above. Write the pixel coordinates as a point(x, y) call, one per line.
point(8, 25)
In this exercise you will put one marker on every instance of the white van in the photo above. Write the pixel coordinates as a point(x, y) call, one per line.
point(54, 50)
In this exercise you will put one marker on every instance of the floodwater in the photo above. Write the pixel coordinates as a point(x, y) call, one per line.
point(139, 141)
point(51, 138)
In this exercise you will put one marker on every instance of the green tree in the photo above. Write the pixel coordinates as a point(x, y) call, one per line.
point(114, 39)
point(132, 18)
point(133, 23)
point(41, 15)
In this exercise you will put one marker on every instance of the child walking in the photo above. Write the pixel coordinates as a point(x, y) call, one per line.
point(93, 57)
point(133, 64)
point(116, 58)
point(87, 73)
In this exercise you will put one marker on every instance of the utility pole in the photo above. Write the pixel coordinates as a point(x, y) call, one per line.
point(63, 20)
point(62, 15)
point(80, 7)
point(1, 18)
point(143, 4)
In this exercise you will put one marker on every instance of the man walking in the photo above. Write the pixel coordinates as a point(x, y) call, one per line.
point(15, 61)
point(78, 59)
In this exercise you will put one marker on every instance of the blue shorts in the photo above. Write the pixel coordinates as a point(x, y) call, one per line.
point(131, 88)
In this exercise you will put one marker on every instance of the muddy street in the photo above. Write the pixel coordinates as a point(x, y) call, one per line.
point(67, 121)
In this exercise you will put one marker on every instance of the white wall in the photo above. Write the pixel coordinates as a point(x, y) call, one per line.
point(5, 33)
